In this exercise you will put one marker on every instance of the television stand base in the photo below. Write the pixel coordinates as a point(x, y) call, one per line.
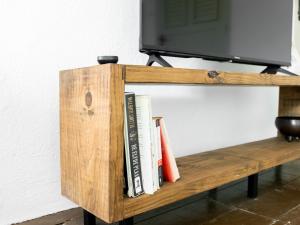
point(276, 69)
point(158, 59)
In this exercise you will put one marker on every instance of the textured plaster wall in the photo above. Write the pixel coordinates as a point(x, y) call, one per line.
point(39, 38)
point(297, 26)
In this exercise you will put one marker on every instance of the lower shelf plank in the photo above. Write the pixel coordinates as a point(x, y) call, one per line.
point(198, 173)
point(269, 153)
point(205, 171)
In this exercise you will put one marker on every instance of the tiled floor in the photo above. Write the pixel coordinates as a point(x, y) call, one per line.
point(278, 203)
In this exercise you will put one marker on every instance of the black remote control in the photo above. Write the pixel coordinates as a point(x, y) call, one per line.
point(107, 59)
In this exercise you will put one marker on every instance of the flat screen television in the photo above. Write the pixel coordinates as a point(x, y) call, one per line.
point(245, 31)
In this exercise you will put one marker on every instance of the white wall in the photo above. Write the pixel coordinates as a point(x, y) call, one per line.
point(39, 38)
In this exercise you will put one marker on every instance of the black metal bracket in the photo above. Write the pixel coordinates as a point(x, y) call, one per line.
point(278, 174)
point(154, 57)
point(253, 186)
point(90, 219)
point(213, 193)
point(274, 69)
point(128, 221)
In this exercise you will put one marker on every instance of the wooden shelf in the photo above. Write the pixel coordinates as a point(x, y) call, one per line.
point(146, 74)
point(92, 139)
point(205, 171)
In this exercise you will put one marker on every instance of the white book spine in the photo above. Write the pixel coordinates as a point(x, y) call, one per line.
point(144, 121)
point(154, 155)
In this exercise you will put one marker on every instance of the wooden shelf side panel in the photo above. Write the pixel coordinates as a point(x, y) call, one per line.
point(289, 101)
point(157, 75)
point(91, 121)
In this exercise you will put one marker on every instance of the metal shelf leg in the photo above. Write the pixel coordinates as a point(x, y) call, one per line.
point(128, 221)
point(88, 218)
point(253, 186)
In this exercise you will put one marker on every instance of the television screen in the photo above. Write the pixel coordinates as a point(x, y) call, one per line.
point(247, 31)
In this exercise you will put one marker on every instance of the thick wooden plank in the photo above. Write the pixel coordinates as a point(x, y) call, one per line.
point(289, 101)
point(199, 173)
point(91, 121)
point(208, 170)
point(144, 74)
point(269, 153)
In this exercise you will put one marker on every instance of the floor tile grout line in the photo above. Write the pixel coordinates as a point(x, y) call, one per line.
point(247, 211)
point(257, 214)
point(290, 210)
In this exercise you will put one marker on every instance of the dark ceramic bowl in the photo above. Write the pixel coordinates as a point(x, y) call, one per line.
point(289, 127)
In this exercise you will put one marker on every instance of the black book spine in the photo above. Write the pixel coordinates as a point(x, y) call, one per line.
point(160, 176)
point(133, 141)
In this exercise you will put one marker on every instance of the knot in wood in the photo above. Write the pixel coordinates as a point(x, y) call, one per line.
point(88, 99)
point(212, 74)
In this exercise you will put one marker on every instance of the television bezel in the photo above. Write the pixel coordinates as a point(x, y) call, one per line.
point(147, 49)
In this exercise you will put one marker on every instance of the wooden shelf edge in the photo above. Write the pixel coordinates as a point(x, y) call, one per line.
point(146, 74)
point(136, 74)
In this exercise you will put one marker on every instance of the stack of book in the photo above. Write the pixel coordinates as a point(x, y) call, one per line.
point(148, 155)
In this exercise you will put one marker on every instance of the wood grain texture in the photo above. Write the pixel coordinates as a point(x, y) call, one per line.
point(91, 121)
point(269, 153)
point(92, 142)
point(205, 171)
point(198, 173)
point(144, 74)
point(289, 101)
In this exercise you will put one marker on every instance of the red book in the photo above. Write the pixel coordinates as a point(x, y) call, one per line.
point(170, 169)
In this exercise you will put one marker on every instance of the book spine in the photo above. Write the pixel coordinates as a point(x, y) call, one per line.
point(159, 154)
point(144, 118)
point(154, 152)
point(170, 169)
point(134, 173)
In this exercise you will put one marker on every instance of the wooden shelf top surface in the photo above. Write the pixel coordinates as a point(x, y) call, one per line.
point(205, 171)
point(147, 74)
